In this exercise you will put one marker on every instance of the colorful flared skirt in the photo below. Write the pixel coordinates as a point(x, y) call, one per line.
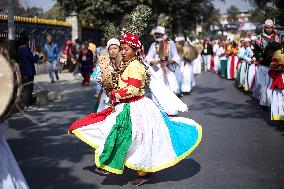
point(137, 135)
point(223, 68)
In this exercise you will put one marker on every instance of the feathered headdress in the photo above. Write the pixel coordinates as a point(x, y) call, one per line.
point(138, 20)
point(111, 31)
point(164, 20)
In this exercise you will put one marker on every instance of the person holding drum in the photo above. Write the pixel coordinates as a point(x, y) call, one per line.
point(11, 176)
point(26, 61)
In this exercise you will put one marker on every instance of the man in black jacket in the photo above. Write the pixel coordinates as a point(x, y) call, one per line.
point(26, 60)
point(207, 54)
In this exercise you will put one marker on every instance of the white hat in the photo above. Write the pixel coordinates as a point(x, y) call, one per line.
point(160, 29)
point(253, 38)
point(269, 23)
point(113, 41)
point(180, 38)
point(247, 39)
point(242, 39)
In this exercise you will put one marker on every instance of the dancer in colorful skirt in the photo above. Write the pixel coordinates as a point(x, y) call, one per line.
point(256, 58)
point(232, 61)
point(268, 42)
point(245, 56)
point(223, 59)
point(277, 75)
point(251, 71)
point(135, 132)
point(240, 53)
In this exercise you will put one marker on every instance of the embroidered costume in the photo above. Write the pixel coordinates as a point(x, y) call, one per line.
point(136, 134)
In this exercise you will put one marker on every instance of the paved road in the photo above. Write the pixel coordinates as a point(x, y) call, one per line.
point(240, 148)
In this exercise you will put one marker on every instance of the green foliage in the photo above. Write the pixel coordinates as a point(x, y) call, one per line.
point(182, 14)
point(55, 12)
point(164, 20)
point(138, 21)
point(19, 10)
point(111, 31)
point(232, 12)
point(262, 10)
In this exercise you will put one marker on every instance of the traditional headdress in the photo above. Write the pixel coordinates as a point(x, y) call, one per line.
point(113, 41)
point(269, 23)
point(180, 38)
point(132, 40)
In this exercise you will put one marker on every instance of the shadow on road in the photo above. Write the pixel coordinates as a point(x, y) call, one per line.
point(39, 140)
point(187, 168)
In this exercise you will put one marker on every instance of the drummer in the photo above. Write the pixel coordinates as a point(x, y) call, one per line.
point(11, 176)
point(26, 61)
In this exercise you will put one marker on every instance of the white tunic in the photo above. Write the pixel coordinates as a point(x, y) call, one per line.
point(170, 78)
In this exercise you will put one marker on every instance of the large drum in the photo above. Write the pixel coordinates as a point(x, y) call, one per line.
point(107, 73)
point(189, 52)
point(10, 84)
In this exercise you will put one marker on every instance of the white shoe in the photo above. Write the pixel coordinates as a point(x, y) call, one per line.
point(30, 108)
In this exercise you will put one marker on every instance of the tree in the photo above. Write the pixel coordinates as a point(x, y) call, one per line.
point(18, 8)
point(55, 13)
point(33, 12)
point(232, 13)
point(273, 9)
point(183, 13)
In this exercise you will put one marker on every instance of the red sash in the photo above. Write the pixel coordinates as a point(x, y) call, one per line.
point(232, 68)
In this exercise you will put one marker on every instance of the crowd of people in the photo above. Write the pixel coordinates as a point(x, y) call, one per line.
point(140, 92)
point(255, 63)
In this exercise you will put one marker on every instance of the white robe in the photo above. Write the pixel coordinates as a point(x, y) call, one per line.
point(11, 176)
point(188, 78)
point(163, 97)
point(170, 78)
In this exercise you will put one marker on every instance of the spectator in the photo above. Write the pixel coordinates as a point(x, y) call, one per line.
point(86, 63)
point(51, 51)
point(26, 61)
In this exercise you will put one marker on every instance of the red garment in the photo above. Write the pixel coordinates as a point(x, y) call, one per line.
point(212, 63)
point(232, 68)
point(277, 79)
point(90, 119)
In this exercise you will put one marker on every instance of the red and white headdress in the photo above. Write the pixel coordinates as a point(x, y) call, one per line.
point(132, 40)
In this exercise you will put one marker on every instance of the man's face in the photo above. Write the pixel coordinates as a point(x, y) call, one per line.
point(158, 37)
point(268, 30)
point(181, 43)
point(49, 39)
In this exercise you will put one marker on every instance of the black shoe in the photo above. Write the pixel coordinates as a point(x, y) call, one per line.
point(57, 77)
point(52, 81)
point(101, 171)
point(141, 180)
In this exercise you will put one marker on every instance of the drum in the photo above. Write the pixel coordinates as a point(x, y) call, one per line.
point(10, 84)
point(189, 53)
point(106, 71)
